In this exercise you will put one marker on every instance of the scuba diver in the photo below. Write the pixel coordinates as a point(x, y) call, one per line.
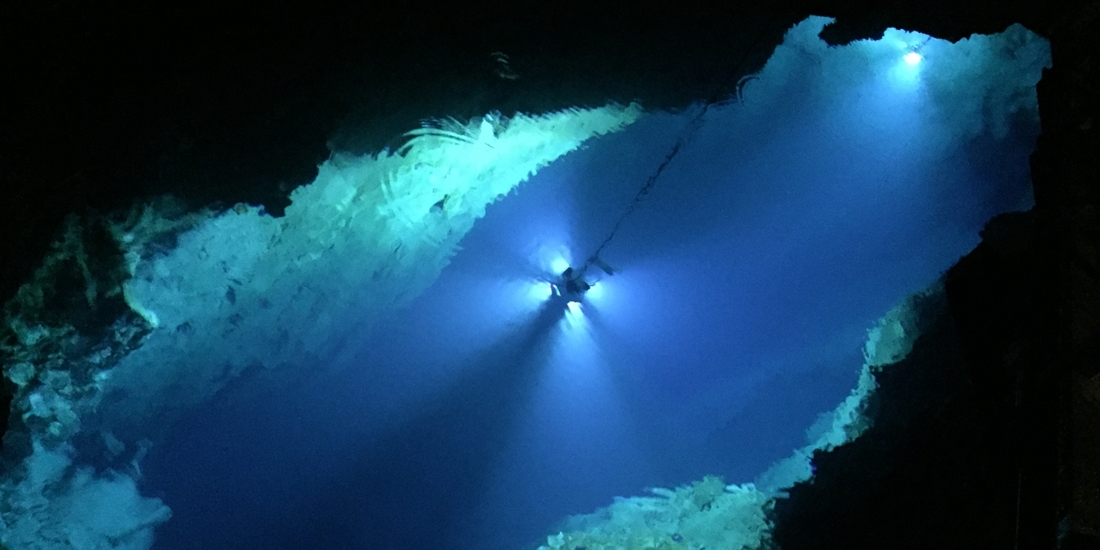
point(571, 284)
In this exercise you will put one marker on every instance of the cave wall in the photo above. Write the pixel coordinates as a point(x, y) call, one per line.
point(988, 434)
point(125, 100)
point(1066, 174)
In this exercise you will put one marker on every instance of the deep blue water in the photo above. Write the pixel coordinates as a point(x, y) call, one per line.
point(478, 418)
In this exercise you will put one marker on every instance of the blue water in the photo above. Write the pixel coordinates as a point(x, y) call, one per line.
point(478, 417)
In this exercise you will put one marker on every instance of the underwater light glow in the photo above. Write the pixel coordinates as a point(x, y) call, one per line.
point(559, 264)
point(595, 292)
point(538, 292)
point(912, 58)
point(574, 321)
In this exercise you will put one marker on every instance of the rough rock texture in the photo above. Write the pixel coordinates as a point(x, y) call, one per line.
point(988, 439)
point(126, 99)
point(69, 329)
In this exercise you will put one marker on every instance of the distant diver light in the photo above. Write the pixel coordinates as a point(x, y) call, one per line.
point(913, 57)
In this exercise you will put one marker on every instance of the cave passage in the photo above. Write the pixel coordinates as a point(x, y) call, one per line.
point(484, 412)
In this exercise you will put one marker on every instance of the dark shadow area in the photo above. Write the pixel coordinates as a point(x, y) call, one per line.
point(956, 457)
point(237, 103)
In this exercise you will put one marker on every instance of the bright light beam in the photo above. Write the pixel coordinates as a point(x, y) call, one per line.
point(558, 264)
point(595, 293)
point(912, 58)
